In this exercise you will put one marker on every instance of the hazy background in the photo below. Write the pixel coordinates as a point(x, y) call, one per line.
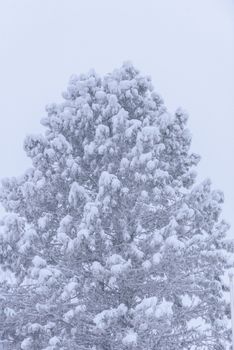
point(187, 46)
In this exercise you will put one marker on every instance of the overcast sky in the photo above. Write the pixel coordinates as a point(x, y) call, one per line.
point(187, 46)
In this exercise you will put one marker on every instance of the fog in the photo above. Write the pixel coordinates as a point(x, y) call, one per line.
point(186, 46)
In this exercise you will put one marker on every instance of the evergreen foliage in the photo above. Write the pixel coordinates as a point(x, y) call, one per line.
point(110, 242)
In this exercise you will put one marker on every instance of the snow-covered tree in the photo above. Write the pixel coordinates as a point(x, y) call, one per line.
point(110, 242)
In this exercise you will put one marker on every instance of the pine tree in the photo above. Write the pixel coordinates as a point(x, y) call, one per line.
point(111, 243)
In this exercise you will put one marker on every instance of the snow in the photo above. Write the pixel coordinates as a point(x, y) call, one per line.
point(150, 307)
point(44, 275)
point(113, 87)
point(125, 85)
point(7, 275)
point(199, 323)
point(60, 144)
point(42, 222)
point(9, 312)
point(91, 213)
point(130, 338)
point(147, 303)
point(80, 309)
point(157, 258)
point(65, 223)
point(40, 183)
point(27, 239)
point(150, 134)
point(164, 309)
point(90, 149)
point(134, 126)
point(97, 268)
point(124, 164)
point(101, 149)
point(136, 251)
point(189, 301)
point(151, 164)
point(119, 121)
point(39, 262)
point(115, 259)
point(165, 119)
point(184, 212)
point(144, 195)
point(100, 95)
point(68, 316)
point(160, 174)
point(145, 157)
point(146, 265)
point(108, 180)
point(27, 344)
point(103, 220)
point(42, 308)
point(102, 132)
point(104, 318)
point(118, 269)
point(173, 242)
point(118, 264)
point(71, 287)
point(77, 193)
point(70, 290)
point(54, 341)
point(157, 239)
point(34, 328)
point(29, 234)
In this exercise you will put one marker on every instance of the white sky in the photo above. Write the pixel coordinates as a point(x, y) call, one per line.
point(187, 46)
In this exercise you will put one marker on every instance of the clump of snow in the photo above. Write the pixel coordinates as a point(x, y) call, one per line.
point(157, 239)
point(7, 275)
point(106, 317)
point(80, 309)
point(198, 323)
point(118, 264)
point(188, 301)
point(157, 258)
point(42, 222)
point(34, 327)
point(136, 251)
point(130, 338)
point(27, 344)
point(60, 144)
point(146, 265)
point(102, 132)
point(108, 180)
point(164, 308)
point(173, 242)
point(71, 286)
point(134, 126)
point(97, 268)
point(147, 304)
point(185, 212)
point(100, 95)
point(69, 290)
point(77, 193)
point(38, 261)
point(68, 316)
point(151, 308)
point(44, 275)
point(9, 312)
point(124, 164)
point(119, 121)
point(91, 213)
point(54, 341)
